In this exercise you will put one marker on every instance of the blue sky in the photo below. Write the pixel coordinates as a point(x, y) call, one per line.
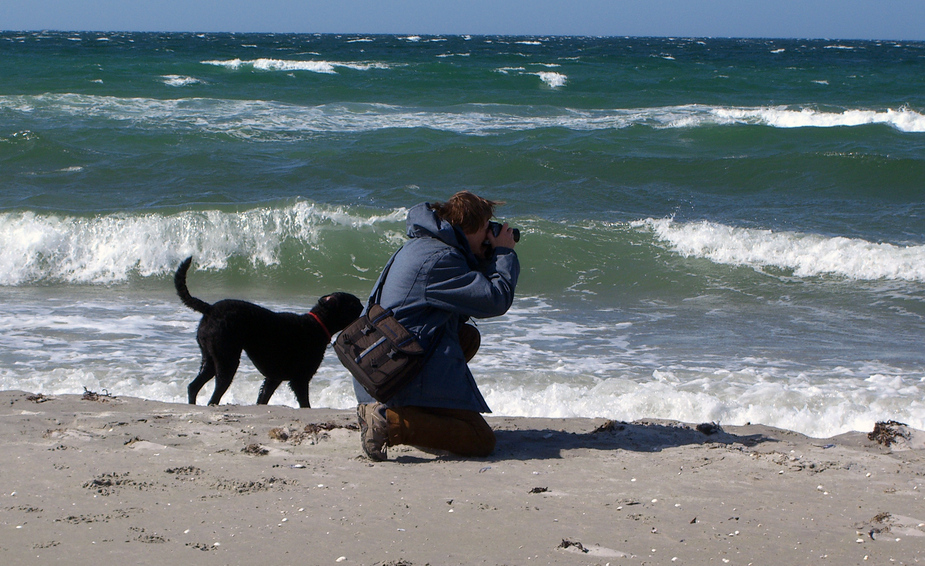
point(830, 19)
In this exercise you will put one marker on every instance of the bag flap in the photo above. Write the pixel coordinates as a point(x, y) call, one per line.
point(385, 321)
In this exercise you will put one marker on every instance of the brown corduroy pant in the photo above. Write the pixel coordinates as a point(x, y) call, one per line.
point(461, 432)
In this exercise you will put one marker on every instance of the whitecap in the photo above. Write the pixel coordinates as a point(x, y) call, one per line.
point(179, 81)
point(805, 255)
point(326, 67)
point(554, 80)
point(115, 247)
point(904, 119)
point(269, 120)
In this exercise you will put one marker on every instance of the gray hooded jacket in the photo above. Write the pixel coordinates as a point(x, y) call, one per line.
point(435, 284)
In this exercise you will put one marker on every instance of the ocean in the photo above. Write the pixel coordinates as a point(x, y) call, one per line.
point(712, 229)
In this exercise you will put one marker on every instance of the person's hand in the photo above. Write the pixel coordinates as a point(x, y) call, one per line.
point(504, 239)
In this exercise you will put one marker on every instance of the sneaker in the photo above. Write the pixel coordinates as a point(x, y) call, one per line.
point(374, 430)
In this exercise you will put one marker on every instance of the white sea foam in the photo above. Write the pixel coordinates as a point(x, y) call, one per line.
point(806, 255)
point(179, 80)
point(530, 364)
point(115, 247)
point(254, 119)
point(903, 119)
point(819, 408)
point(554, 80)
point(550, 78)
point(535, 363)
point(326, 67)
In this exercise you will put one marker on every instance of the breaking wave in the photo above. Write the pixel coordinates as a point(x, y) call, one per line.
point(326, 67)
point(113, 248)
point(255, 118)
point(806, 255)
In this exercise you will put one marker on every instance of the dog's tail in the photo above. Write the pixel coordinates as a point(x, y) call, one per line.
point(179, 281)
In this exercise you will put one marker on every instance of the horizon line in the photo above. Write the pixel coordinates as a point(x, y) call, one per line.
point(432, 34)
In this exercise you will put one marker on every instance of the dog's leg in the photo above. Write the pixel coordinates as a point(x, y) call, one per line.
point(206, 372)
point(224, 373)
point(300, 388)
point(266, 390)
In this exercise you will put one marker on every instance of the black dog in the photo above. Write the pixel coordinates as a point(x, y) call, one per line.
point(283, 346)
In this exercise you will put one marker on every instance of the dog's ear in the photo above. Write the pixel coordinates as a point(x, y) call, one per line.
point(328, 302)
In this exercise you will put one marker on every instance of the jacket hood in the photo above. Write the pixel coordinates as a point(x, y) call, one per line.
point(423, 222)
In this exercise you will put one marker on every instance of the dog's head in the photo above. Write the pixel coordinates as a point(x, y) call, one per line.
point(337, 310)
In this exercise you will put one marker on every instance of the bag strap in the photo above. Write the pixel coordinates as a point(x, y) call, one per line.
point(377, 294)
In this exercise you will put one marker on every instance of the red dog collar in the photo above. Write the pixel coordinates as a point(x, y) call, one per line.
point(323, 327)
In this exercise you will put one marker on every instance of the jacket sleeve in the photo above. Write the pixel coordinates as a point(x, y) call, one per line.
point(454, 286)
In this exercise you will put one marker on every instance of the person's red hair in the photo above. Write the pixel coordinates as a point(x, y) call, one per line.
point(466, 210)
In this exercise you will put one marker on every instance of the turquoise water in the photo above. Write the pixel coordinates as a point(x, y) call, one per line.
point(726, 230)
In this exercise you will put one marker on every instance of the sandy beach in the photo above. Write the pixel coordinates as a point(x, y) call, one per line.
point(101, 480)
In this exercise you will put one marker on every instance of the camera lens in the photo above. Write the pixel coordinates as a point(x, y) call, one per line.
point(496, 229)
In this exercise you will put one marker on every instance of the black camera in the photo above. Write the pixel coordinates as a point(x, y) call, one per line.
point(496, 229)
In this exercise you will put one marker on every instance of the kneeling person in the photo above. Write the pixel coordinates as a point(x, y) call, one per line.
point(453, 268)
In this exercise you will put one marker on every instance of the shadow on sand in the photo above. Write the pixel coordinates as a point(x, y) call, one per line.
point(514, 443)
point(613, 435)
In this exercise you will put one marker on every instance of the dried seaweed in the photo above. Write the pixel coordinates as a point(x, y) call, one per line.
point(103, 397)
point(886, 432)
point(573, 544)
point(255, 449)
